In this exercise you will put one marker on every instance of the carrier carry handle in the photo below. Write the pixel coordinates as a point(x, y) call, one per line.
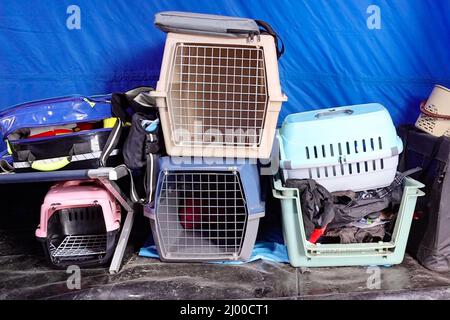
point(431, 114)
point(267, 28)
point(334, 112)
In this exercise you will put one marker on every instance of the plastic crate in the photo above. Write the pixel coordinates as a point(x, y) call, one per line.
point(302, 253)
point(206, 212)
point(346, 148)
point(437, 121)
point(219, 96)
point(79, 224)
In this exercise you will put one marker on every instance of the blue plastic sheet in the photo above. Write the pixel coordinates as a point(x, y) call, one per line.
point(337, 52)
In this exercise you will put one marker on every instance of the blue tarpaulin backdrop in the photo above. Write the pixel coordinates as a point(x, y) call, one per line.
point(337, 52)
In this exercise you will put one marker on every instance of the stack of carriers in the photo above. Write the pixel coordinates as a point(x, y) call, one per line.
point(218, 96)
point(352, 148)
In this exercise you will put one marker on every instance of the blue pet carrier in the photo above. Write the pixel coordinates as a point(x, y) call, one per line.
point(207, 211)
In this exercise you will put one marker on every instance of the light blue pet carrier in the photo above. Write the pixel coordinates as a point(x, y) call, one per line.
point(346, 148)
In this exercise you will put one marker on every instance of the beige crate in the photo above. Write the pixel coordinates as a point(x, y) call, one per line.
point(219, 96)
point(437, 120)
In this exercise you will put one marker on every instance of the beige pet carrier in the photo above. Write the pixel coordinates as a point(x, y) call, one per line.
point(435, 113)
point(219, 96)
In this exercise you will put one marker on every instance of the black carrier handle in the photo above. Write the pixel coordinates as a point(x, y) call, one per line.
point(267, 28)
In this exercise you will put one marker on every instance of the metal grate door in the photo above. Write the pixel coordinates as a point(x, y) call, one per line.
point(201, 214)
point(218, 95)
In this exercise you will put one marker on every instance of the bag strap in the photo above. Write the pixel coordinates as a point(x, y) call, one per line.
point(150, 180)
point(111, 142)
point(267, 28)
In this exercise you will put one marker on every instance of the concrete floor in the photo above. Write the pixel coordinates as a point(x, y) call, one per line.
point(24, 273)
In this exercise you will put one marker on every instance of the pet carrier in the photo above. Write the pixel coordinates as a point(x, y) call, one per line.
point(347, 148)
point(206, 212)
point(435, 113)
point(218, 95)
point(303, 253)
point(67, 132)
point(79, 224)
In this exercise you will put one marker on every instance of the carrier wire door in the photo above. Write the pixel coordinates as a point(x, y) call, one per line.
point(219, 91)
point(206, 213)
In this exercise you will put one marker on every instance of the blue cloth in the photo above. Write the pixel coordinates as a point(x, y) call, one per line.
point(335, 55)
point(270, 251)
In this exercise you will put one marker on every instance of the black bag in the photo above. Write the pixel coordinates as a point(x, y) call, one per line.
point(144, 143)
point(81, 150)
point(429, 239)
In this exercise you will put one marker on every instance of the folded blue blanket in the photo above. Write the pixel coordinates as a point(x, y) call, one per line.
point(270, 251)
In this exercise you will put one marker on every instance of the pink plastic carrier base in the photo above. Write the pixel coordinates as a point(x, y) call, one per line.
point(80, 223)
point(78, 194)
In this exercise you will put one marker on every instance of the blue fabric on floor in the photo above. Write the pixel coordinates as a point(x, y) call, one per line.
point(270, 251)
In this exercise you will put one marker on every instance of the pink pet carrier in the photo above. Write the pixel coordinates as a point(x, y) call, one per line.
point(79, 225)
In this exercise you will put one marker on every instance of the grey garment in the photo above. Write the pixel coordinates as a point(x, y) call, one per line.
point(197, 23)
point(317, 204)
point(358, 209)
point(429, 238)
point(19, 134)
point(357, 235)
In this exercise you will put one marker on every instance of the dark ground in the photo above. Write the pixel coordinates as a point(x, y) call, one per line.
point(24, 273)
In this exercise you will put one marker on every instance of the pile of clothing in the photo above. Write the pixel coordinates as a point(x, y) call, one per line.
point(348, 216)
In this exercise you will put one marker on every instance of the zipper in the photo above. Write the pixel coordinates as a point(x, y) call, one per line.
point(25, 105)
point(98, 118)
